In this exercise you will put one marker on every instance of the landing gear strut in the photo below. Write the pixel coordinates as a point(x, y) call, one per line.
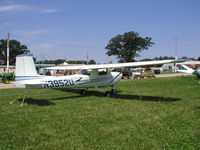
point(110, 93)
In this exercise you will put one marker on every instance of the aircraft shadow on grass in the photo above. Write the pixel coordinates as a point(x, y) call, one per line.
point(120, 96)
point(198, 107)
point(44, 102)
point(39, 102)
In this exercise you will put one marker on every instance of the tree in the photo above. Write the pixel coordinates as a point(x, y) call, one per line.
point(187, 58)
point(59, 61)
point(77, 62)
point(198, 59)
point(15, 48)
point(146, 59)
point(127, 46)
point(91, 62)
point(163, 58)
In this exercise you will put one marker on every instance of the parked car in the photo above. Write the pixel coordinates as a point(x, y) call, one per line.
point(126, 74)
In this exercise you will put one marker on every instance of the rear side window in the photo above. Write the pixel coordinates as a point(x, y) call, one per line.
point(102, 71)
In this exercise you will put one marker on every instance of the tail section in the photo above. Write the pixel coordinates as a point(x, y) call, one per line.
point(185, 69)
point(197, 72)
point(24, 70)
point(25, 66)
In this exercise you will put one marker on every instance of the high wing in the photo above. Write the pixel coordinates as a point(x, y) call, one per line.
point(117, 65)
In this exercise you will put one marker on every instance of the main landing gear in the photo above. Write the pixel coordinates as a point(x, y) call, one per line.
point(110, 93)
point(83, 92)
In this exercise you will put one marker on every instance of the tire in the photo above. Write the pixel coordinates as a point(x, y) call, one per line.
point(83, 92)
point(6, 81)
point(113, 91)
point(108, 94)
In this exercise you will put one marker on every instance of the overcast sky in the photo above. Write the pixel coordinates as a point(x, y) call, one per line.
point(68, 29)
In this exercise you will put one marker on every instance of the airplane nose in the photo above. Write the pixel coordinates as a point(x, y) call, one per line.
point(117, 76)
point(120, 76)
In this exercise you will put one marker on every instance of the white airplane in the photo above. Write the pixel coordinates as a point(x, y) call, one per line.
point(186, 69)
point(89, 76)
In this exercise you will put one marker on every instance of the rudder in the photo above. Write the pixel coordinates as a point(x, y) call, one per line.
point(25, 66)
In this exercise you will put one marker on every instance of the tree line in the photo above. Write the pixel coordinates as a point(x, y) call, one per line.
point(171, 57)
point(60, 61)
point(15, 48)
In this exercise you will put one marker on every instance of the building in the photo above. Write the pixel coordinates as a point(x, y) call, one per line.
point(3, 69)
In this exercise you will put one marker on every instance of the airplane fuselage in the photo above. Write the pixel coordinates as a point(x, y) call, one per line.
point(77, 80)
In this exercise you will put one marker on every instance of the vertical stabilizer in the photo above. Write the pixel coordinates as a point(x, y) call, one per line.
point(25, 66)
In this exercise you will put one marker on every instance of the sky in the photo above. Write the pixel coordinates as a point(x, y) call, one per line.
point(71, 29)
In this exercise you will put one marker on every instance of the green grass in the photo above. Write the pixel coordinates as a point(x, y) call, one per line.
point(167, 117)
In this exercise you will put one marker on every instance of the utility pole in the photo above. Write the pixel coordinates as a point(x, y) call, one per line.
point(8, 51)
point(176, 55)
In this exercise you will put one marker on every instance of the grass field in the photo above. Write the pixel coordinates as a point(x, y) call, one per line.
point(166, 117)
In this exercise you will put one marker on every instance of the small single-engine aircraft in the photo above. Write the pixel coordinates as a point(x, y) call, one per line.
point(186, 69)
point(89, 76)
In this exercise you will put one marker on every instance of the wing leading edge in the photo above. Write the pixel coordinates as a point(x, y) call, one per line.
point(117, 65)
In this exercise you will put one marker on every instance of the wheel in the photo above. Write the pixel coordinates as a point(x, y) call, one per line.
point(113, 91)
point(83, 92)
point(6, 81)
point(107, 94)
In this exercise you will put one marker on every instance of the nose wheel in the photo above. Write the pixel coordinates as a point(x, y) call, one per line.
point(83, 92)
point(107, 94)
point(113, 91)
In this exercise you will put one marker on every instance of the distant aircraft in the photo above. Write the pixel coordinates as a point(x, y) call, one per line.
point(89, 76)
point(186, 69)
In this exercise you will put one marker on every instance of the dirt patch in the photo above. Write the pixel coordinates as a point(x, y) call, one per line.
point(171, 75)
point(7, 86)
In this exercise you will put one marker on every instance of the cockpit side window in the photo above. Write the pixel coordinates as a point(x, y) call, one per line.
point(84, 72)
point(102, 71)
